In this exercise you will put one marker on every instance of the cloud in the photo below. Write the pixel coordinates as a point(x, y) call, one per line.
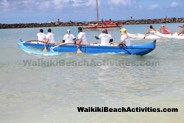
point(57, 4)
point(91, 3)
point(43, 5)
point(11, 5)
point(122, 2)
point(4, 5)
point(140, 6)
point(52, 4)
point(153, 6)
point(174, 4)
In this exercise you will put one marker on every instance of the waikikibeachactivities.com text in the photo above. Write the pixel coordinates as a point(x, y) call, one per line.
point(125, 109)
point(91, 62)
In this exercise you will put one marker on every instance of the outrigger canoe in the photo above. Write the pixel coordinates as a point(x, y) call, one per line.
point(136, 49)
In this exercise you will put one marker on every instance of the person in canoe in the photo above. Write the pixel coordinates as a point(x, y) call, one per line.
point(41, 35)
point(81, 37)
point(106, 39)
point(124, 38)
point(50, 37)
point(68, 37)
point(164, 30)
point(182, 31)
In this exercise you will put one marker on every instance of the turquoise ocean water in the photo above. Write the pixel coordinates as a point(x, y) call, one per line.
point(52, 93)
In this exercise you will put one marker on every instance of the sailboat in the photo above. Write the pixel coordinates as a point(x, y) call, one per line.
point(102, 25)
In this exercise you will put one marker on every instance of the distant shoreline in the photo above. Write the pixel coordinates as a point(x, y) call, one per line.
point(70, 23)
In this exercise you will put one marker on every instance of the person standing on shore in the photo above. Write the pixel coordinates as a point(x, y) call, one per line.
point(68, 37)
point(124, 38)
point(164, 30)
point(182, 31)
point(106, 39)
point(41, 35)
point(50, 37)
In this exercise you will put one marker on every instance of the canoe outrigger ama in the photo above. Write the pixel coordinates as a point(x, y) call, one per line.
point(136, 49)
point(37, 52)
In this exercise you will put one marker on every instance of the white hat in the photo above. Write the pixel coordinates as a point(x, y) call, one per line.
point(68, 30)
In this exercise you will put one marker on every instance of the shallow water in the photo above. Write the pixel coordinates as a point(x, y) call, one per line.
point(52, 93)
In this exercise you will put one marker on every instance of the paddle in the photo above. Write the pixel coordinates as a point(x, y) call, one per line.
point(45, 48)
point(78, 46)
point(78, 50)
point(126, 48)
point(144, 37)
point(45, 43)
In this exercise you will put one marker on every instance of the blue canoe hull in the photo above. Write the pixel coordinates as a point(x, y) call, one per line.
point(137, 49)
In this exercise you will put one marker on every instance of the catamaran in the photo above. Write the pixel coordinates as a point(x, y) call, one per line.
point(102, 25)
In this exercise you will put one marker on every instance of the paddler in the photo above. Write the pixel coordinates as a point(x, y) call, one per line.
point(81, 37)
point(50, 37)
point(41, 35)
point(124, 38)
point(68, 37)
point(106, 39)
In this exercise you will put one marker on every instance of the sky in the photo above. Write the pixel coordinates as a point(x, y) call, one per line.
point(33, 11)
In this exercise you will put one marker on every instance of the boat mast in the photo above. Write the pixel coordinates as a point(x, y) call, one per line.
point(97, 15)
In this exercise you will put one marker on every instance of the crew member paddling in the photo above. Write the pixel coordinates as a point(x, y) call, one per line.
point(68, 37)
point(41, 35)
point(81, 37)
point(50, 37)
point(124, 38)
point(106, 39)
